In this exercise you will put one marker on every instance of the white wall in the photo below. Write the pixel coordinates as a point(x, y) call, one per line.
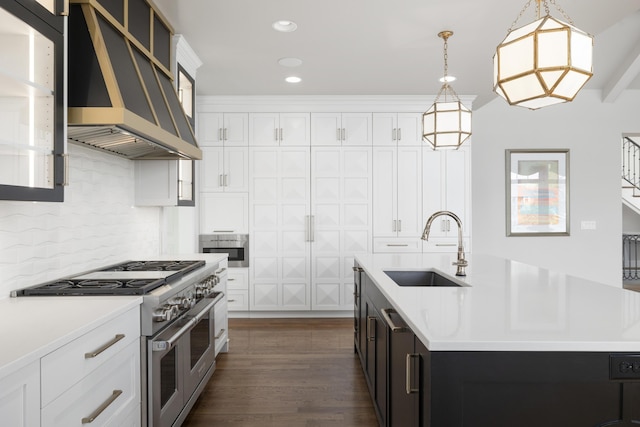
point(96, 225)
point(592, 132)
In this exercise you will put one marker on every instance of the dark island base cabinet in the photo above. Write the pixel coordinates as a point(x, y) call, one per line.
point(414, 387)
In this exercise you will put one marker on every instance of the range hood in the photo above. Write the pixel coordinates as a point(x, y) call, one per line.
point(120, 95)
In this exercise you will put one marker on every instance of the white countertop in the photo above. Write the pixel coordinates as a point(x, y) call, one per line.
point(509, 306)
point(31, 327)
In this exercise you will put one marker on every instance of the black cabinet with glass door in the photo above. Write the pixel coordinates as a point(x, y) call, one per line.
point(32, 166)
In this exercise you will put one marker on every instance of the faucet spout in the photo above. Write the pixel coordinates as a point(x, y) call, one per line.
point(461, 263)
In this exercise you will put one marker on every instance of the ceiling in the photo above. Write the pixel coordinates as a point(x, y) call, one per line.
point(385, 47)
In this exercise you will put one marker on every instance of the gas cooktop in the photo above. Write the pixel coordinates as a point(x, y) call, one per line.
point(127, 278)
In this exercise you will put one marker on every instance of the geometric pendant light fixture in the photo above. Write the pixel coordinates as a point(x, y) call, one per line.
point(447, 123)
point(542, 63)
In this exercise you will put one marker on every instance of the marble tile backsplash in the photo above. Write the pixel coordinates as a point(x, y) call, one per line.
point(96, 225)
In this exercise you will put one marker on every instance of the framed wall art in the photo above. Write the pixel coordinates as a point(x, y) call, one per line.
point(537, 192)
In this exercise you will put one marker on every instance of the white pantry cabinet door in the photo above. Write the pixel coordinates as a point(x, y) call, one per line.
point(409, 129)
point(341, 213)
point(20, 397)
point(384, 130)
point(236, 129)
point(385, 203)
point(279, 215)
point(409, 192)
point(236, 169)
point(212, 169)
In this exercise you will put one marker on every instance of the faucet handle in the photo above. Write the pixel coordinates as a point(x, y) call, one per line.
point(461, 263)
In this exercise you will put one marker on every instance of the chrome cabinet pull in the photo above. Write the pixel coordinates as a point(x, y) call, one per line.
point(104, 347)
point(386, 313)
point(275, 134)
point(338, 134)
point(91, 418)
point(408, 364)
point(393, 134)
point(220, 134)
point(232, 300)
point(307, 231)
point(394, 226)
point(399, 225)
point(344, 134)
point(369, 319)
point(281, 135)
point(222, 331)
point(446, 244)
point(225, 182)
point(399, 134)
point(397, 244)
point(65, 180)
point(225, 134)
point(312, 225)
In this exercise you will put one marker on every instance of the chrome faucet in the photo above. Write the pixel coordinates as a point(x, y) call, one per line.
point(461, 262)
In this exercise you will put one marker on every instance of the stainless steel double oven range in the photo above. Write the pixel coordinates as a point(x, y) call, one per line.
point(178, 324)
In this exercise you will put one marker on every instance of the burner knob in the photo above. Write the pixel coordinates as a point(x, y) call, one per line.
point(161, 314)
point(172, 312)
point(180, 302)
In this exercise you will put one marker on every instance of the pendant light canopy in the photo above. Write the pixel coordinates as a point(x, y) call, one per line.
point(446, 124)
point(542, 63)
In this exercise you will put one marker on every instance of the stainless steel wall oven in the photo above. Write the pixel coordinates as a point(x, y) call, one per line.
point(236, 245)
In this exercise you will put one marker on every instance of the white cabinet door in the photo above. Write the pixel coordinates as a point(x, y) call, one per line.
point(446, 177)
point(409, 192)
point(264, 129)
point(294, 129)
point(397, 197)
point(326, 129)
point(356, 129)
point(20, 397)
point(409, 129)
point(236, 130)
point(384, 129)
point(224, 169)
point(341, 214)
point(236, 162)
point(212, 169)
point(223, 212)
point(217, 129)
point(385, 203)
point(279, 214)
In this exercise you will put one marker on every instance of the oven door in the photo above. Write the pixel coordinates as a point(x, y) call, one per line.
point(179, 358)
point(199, 347)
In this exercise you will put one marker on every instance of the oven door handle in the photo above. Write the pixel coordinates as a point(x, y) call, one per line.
point(165, 345)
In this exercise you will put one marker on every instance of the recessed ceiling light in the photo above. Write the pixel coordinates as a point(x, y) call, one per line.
point(284, 26)
point(290, 62)
point(293, 79)
point(447, 79)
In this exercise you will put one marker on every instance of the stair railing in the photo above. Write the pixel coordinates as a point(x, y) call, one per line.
point(631, 162)
point(630, 253)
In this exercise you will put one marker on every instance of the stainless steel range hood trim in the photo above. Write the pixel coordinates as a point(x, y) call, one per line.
point(133, 136)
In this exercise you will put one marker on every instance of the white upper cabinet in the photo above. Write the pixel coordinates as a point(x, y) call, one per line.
point(341, 129)
point(279, 129)
point(223, 129)
point(402, 129)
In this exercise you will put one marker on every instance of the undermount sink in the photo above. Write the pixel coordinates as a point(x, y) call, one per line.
point(420, 278)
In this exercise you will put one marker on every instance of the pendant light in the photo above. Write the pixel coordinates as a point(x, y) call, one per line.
point(447, 123)
point(542, 63)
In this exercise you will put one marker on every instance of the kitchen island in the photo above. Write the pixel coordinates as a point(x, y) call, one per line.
point(514, 344)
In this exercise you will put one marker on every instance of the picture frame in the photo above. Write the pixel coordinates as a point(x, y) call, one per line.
point(537, 192)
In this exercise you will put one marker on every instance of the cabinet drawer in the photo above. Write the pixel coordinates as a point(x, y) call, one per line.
point(67, 365)
point(238, 300)
point(109, 394)
point(238, 279)
point(386, 245)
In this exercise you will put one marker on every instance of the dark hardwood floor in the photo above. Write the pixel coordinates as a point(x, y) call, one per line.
point(286, 373)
